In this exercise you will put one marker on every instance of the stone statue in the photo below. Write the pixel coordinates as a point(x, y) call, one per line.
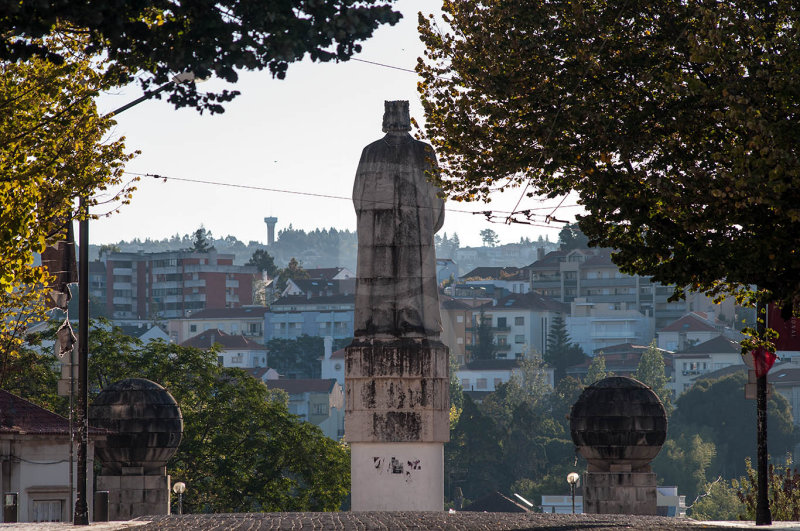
point(398, 212)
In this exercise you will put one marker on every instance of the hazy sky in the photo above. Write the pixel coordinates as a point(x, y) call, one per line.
point(302, 134)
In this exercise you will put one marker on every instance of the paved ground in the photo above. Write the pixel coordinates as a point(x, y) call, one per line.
point(403, 521)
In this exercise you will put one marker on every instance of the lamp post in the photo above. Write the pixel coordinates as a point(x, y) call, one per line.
point(179, 488)
point(573, 478)
point(81, 513)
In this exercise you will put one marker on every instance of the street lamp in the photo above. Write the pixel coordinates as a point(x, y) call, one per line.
point(573, 478)
point(179, 488)
point(81, 513)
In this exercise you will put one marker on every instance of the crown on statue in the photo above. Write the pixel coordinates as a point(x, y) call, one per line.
point(395, 117)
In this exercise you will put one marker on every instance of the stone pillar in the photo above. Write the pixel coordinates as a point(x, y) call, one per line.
point(397, 421)
point(619, 493)
point(133, 494)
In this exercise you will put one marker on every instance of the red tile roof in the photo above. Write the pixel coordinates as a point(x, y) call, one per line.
point(21, 416)
point(718, 345)
point(689, 323)
point(337, 355)
point(208, 338)
point(529, 301)
point(296, 387)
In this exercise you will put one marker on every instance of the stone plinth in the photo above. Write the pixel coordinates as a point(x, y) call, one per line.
point(619, 493)
point(131, 496)
point(397, 391)
point(397, 421)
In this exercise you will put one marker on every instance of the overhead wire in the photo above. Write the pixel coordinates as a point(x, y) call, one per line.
point(491, 216)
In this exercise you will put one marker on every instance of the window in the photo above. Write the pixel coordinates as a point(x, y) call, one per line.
point(480, 383)
point(519, 339)
point(459, 318)
point(465, 383)
point(46, 510)
point(459, 341)
point(193, 328)
point(221, 360)
point(501, 322)
point(320, 409)
point(502, 340)
point(519, 321)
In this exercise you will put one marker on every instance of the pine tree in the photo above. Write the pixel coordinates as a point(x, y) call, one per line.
point(561, 352)
point(651, 372)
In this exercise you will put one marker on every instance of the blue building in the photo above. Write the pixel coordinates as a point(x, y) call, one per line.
point(294, 315)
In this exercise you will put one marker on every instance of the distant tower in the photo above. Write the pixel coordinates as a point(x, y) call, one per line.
point(270, 221)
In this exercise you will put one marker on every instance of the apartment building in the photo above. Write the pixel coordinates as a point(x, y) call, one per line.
point(174, 284)
point(520, 323)
point(247, 321)
point(590, 274)
point(292, 316)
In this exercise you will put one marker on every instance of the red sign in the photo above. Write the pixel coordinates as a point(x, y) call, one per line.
point(764, 359)
point(788, 330)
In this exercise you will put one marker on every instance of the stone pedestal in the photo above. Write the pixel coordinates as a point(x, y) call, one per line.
point(397, 421)
point(619, 493)
point(132, 495)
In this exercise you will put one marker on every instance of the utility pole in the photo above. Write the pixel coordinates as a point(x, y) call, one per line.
point(81, 514)
point(763, 514)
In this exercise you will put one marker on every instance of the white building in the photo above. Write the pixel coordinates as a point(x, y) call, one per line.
point(235, 351)
point(697, 360)
point(34, 448)
point(597, 325)
point(332, 363)
point(520, 323)
point(247, 321)
point(318, 401)
point(691, 329)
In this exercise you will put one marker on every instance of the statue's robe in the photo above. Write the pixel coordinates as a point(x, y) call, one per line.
point(398, 212)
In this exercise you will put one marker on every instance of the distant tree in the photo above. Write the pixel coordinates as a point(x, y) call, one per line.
point(299, 357)
point(489, 237)
point(484, 347)
point(473, 456)
point(264, 262)
point(108, 248)
point(684, 461)
point(717, 501)
point(201, 243)
point(597, 370)
point(561, 352)
point(652, 372)
point(718, 411)
point(571, 237)
point(294, 271)
point(33, 375)
point(241, 450)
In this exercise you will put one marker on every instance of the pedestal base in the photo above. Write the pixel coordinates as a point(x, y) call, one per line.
point(132, 496)
point(397, 476)
point(619, 493)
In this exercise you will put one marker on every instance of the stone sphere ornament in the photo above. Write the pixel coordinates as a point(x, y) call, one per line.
point(145, 422)
point(618, 423)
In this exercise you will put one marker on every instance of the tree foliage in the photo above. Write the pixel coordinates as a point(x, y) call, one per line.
point(651, 371)
point(53, 150)
point(783, 492)
point(264, 262)
point(484, 346)
point(517, 438)
point(241, 450)
point(489, 238)
point(201, 241)
point(684, 460)
point(293, 271)
point(597, 370)
point(299, 358)
point(571, 237)
point(675, 122)
point(561, 352)
point(717, 502)
point(154, 39)
point(718, 411)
